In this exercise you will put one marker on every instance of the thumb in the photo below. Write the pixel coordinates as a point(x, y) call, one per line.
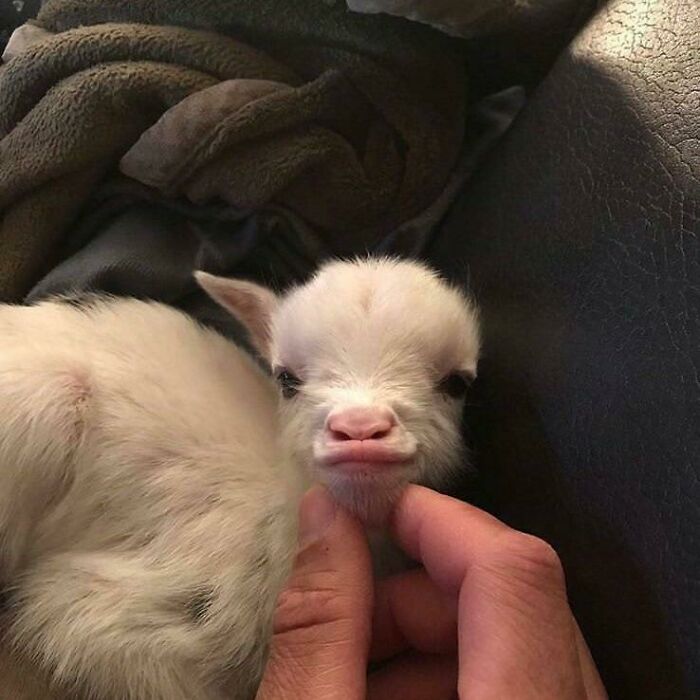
point(322, 624)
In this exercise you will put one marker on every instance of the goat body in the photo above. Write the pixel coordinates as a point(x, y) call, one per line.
point(146, 512)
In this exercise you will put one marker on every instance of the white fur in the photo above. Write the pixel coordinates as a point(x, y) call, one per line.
point(148, 480)
point(146, 514)
point(377, 332)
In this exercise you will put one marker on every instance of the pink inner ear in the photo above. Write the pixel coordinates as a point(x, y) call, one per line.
point(253, 313)
point(252, 304)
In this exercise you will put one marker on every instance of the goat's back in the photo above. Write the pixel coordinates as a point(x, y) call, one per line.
point(146, 509)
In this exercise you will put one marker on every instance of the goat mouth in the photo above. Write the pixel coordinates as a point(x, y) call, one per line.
point(360, 455)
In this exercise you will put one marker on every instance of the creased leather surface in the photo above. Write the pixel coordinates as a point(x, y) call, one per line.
point(581, 239)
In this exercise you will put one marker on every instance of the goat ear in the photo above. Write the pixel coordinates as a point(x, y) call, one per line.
point(252, 304)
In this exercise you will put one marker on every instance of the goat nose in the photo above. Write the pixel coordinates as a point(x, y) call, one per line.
point(361, 423)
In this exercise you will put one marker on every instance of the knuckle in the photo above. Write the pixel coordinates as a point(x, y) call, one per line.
point(537, 550)
point(532, 557)
point(300, 607)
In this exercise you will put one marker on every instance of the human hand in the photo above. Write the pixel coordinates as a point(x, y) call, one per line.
point(487, 616)
point(495, 596)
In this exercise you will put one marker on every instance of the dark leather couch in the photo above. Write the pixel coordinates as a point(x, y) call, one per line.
point(581, 237)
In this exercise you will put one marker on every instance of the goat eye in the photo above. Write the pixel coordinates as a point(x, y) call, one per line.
point(289, 383)
point(455, 385)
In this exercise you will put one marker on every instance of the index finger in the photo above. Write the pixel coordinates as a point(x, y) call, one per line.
point(517, 636)
point(443, 533)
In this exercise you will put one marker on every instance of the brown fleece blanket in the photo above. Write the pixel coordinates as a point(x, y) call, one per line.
point(352, 122)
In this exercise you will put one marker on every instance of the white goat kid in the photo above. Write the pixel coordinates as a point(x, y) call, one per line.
point(373, 359)
point(149, 477)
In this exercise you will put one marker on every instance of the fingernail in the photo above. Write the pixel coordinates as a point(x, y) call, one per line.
point(316, 513)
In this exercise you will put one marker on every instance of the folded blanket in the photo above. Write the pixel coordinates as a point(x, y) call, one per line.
point(353, 122)
point(132, 240)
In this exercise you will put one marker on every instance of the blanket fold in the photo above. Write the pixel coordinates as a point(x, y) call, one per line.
point(353, 123)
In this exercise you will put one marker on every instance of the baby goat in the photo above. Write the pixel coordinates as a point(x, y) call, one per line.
point(149, 474)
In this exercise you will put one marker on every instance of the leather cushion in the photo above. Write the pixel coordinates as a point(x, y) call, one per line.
point(581, 239)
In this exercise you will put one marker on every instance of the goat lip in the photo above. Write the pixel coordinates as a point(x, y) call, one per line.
point(358, 472)
point(357, 453)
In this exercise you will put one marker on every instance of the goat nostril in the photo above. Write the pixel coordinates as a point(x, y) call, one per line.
point(379, 434)
point(370, 434)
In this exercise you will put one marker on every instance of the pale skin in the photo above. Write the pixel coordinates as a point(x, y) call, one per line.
point(487, 616)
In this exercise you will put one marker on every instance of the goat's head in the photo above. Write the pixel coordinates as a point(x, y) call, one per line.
point(373, 359)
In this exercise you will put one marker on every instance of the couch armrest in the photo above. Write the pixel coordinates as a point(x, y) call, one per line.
point(581, 236)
